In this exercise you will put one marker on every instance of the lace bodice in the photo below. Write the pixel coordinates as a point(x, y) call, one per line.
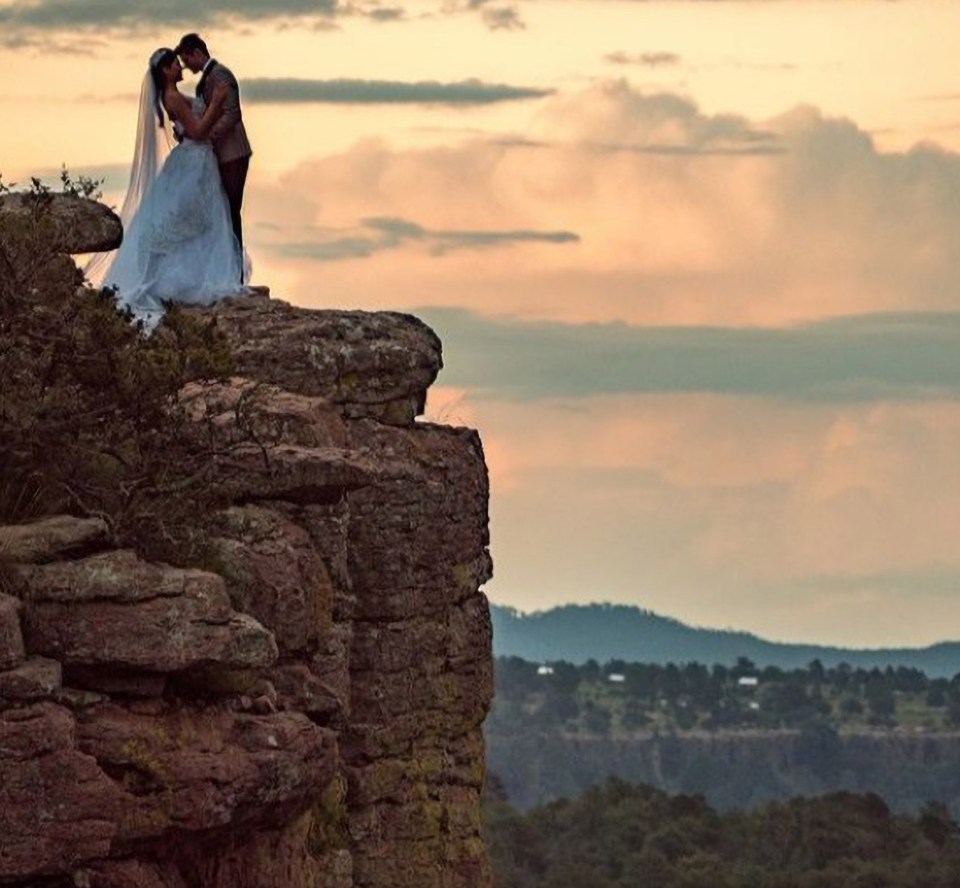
point(198, 107)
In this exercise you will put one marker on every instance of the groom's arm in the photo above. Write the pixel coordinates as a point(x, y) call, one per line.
point(230, 112)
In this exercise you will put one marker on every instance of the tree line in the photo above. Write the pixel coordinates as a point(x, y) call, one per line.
point(627, 697)
point(618, 835)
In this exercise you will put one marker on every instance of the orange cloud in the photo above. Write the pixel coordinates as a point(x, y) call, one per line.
point(730, 511)
point(682, 217)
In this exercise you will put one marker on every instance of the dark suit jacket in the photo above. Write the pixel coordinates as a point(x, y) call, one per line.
point(229, 136)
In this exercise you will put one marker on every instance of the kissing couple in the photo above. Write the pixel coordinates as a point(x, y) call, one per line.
point(183, 235)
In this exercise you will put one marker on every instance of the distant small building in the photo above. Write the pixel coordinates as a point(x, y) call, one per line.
point(748, 681)
point(617, 677)
point(754, 705)
point(544, 670)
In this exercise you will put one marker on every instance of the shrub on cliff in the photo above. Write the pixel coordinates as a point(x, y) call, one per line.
point(90, 416)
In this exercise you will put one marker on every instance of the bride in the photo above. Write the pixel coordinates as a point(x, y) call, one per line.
point(178, 242)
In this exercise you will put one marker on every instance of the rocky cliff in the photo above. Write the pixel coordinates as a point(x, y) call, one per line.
point(304, 707)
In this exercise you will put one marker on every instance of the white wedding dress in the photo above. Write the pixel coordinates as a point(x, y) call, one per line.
point(178, 243)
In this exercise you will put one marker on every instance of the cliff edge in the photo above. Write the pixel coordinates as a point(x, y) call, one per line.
point(303, 708)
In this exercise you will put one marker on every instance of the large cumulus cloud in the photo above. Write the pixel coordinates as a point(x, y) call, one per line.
point(685, 217)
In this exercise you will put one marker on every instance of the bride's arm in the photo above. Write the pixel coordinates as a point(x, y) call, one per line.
point(214, 110)
point(180, 109)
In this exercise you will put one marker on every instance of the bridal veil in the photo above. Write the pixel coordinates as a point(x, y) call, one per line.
point(153, 144)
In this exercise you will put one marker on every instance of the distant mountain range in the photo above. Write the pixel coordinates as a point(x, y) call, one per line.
point(602, 632)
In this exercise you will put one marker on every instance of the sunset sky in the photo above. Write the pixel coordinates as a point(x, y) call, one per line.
point(696, 266)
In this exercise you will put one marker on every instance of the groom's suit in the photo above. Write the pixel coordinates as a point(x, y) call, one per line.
point(229, 138)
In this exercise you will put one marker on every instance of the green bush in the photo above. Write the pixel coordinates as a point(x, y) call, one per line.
point(91, 421)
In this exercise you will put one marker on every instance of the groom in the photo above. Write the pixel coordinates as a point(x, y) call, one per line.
point(228, 135)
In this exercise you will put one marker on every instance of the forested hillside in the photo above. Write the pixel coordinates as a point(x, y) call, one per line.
point(740, 735)
point(602, 632)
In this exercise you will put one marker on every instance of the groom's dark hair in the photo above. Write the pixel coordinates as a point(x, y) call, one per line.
point(189, 42)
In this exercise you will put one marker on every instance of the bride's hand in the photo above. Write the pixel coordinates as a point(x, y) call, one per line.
point(180, 110)
point(214, 110)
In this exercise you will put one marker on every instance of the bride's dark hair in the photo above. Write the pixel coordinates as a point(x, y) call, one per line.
point(158, 61)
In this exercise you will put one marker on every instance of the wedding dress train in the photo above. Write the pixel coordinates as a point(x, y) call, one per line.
point(180, 246)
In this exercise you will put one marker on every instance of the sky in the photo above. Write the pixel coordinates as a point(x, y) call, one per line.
point(696, 266)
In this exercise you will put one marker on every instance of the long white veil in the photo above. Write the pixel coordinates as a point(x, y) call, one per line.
point(154, 142)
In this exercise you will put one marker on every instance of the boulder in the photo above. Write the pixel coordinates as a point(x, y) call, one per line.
point(79, 225)
point(50, 539)
point(307, 475)
point(116, 609)
point(57, 807)
point(242, 409)
point(196, 768)
point(368, 364)
point(274, 574)
point(76, 793)
point(35, 679)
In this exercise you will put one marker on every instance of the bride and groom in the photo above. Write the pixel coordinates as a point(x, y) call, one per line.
point(183, 237)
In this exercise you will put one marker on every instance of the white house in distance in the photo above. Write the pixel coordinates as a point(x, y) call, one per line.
point(544, 670)
point(616, 677)
point(749, 683)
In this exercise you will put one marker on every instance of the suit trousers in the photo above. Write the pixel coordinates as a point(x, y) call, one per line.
point(233, 174)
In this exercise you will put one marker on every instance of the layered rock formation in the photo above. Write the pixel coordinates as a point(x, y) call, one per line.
point(304, 707)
